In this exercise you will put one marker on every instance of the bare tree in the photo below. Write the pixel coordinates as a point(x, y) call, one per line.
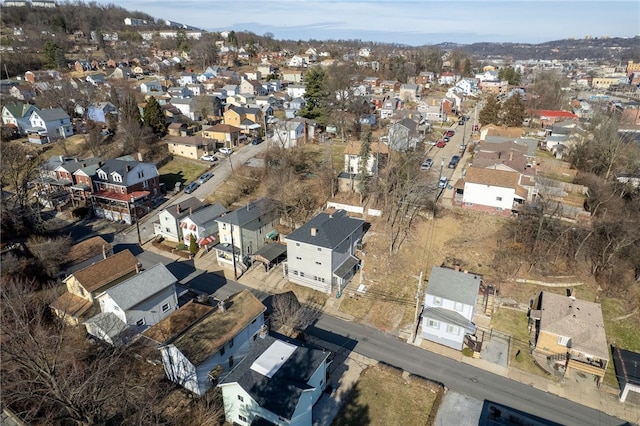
point(290, 316)
point(49, 252)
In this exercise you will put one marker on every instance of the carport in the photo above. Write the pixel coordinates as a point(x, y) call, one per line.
point(270, 255)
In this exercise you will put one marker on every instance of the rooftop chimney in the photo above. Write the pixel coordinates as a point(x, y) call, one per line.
point(314, 231)
point(190, 210)
point(510, 155)
point(222, 306)
point(456, 268)
point(178, 208)
point(263, 331)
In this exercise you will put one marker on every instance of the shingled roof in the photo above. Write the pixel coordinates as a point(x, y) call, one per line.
point(326, 230)
point(107, 271)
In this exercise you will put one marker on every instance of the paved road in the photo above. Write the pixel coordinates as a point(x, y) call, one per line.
point(221, 172)
point(457, 376)
point(460, 377)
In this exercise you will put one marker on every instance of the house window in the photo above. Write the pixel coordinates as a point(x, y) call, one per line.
point(433, 323)
point(563, 341)
point(437, 301)
point(222, 350)
point(230, 361)
point(165, 307)
point(302, 274)
point(140, 322)
point(458, 306)
point(242, 418)
point(231, 343)
point(319, 249)
point(117, 178)
point(240, 398)
point(452, 329)
point(297, 244)
point(295, 272)
point(498, 198)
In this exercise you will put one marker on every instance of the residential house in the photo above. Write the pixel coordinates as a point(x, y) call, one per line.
point(287, 134)
point(225, 134)
point(409, 92)
point(43, 75)
point(627, 366)
point(84, 286)
point(252, 87)
point(245, 230)
point(569, 334)
point(192, 147)
point(199, 342)
point(548, 117)
point(124, 189)
point(498, 87)
point(425, 77)
point(168, 224)
point(202, 224)
point(100, 111)
point(321, 253)
point(449, 305)
point(389, 108)
point(403, 135)
point(469, 86)
point(187, 107)
point(22, 92)
point(238, 116)
point(295, 77)
point(150, 86)
point(378, 152)
point(66, 176)
point(277, 383)
point(86, 253)
point(491, 190)
point(297, 61)
point(18, 116)
point(296, 90)
point(447, 78)
point(187, 78)
point(138, 302)
point(53, 123)
point(96, 79)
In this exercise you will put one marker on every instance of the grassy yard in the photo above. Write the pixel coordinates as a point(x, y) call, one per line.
point(384, 396)
point(180, 170)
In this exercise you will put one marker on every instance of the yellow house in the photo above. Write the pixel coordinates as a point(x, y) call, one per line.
point(226, 134)
point(76, 303)
point(569, 335)
point(192, 147)
point(236, 115)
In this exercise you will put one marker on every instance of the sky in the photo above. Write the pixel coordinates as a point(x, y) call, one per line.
point(414, 23)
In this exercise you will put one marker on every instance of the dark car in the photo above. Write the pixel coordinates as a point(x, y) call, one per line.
point(256, 141)
point(454, 161)
point(191, 187)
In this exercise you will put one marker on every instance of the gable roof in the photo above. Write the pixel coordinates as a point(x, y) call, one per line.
point(330, 230)
point(178, 321)
point(74, 165)
point(87, 249)
point(190, 203)
point(106, 271)
point(278, 392)
point(52, 114)
point(454, 285)
point(206, 337)
point(492, 177)
point(140, 287)
point(249, 213)
point(118, 166)
point(354, 147)
point(224, 128)
point(20, 110)
point(207, 214)
point(577, 319)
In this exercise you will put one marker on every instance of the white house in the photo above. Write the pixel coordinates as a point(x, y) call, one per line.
point(297, 61)
point(187, 107)
point(288, 134)
point(201, 343)
point(491, 190)
point(321, 253)
point(449, 305)
point(142, 300)
point(150, 86)
point(187, 78)
point(202, 224)
point(277, 383)
point(469, 86)
point(18, 116)
point(409, 92)
point(378, 152)
point(54, 122)
point(168, 224)
point(296, 90)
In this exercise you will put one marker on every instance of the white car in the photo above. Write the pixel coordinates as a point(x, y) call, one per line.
point(209, 157)
point(225, 151)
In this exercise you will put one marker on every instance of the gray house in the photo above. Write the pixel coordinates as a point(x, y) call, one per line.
point(449, 305)
point(168, 224)
point(246, 230)
point(403, 135)
point(202, 224)
point(321, 253)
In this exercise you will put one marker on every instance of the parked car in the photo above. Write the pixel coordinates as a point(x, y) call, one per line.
point(256, 141)
point(441, 143)
point(454, 161)
point(205, 177)
point(191, 187)
point(426, 164)
point(225, 151)
point(450, 133)
point(446, 138)
point(442, 183)
point(209, 157)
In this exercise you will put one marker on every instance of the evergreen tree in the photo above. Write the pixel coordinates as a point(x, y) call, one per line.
point(153, 117)
point(514, 111)
point(54, 55)
point(466, 70)
point(510, 74)
point(490, 113)
point(315, 96)
point(193, 246)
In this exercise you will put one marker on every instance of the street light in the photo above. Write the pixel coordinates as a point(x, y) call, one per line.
point(134, 216)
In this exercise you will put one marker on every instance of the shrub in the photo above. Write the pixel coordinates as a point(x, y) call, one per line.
point(181, 246)
point(467, 352)
point(519, 356)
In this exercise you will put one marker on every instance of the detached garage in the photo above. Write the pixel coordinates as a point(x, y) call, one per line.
point(627, 365)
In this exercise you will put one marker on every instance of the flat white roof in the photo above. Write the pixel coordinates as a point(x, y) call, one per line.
point(273, 358)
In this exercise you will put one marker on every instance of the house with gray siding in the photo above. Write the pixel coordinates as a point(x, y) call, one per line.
point(321, 253)
point(168, 224)
point(449, 305)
